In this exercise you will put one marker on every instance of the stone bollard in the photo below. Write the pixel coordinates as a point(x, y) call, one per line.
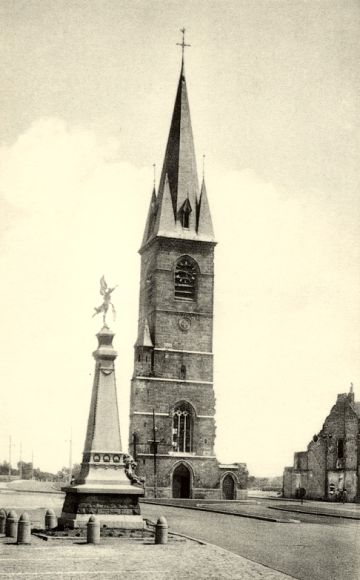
point(2, 521)
point(24, 530)
point(93, 531)
point(50, 520)
point(161, 531)
point(11, 524)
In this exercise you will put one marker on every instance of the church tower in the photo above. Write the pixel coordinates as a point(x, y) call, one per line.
point(172, 407)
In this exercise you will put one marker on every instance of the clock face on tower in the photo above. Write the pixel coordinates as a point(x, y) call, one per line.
point(184, 324)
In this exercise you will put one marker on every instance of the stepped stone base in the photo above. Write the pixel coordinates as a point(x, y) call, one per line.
point(115, 508)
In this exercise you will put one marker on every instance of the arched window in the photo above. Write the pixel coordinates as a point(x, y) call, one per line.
point(185, 278)
point(182, 427)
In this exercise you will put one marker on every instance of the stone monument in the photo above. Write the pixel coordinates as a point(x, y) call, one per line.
point(107, 485)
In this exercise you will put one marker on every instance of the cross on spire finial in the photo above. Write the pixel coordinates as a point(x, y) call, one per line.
point(182, 44)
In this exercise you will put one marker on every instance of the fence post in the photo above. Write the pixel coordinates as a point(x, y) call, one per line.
point(11, 524)
point(50, 520)
point(2, 521)
point(24, 529)
point(93, 530)
point(161, 531)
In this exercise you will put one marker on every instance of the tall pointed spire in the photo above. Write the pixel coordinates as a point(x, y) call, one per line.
point(178, 204)
point(180, 163)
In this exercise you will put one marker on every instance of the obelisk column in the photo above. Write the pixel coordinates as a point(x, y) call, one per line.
point(106, 485)
point(102, 449)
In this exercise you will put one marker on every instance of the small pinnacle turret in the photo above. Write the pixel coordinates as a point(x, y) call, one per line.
point(144, 339)
point(149, 226)
point(204, 225)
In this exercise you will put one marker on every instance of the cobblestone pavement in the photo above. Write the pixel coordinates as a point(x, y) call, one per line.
point(118, 559)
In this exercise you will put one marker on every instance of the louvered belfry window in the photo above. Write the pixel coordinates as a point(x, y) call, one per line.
point(185, 279)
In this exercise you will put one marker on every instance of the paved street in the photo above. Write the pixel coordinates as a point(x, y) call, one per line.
point(319, 549)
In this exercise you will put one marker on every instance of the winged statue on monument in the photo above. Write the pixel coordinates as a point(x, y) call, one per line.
point(106, 292)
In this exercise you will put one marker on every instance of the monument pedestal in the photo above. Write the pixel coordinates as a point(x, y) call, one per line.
point(106, 486)
point(115, 506)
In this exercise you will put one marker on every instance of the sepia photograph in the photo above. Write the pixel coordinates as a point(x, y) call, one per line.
point(180, 273)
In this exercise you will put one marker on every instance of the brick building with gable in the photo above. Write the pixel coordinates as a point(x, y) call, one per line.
point(332, 460)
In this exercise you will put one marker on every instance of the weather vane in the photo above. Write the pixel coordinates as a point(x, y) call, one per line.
point(182, 44)
point(104, 307)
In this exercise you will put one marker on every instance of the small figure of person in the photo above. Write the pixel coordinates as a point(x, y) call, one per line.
point(332, 494)
point(302, 494)
point(344, 495)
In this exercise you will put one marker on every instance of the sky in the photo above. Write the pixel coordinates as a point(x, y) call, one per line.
point(86, 99)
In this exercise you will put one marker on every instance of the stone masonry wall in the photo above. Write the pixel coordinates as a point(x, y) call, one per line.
point(178, 368)
point(169, 365)
point(331, 462)
point(317, 475)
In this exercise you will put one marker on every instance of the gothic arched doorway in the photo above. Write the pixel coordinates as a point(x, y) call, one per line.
point(228, 487)
point(181, 483)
